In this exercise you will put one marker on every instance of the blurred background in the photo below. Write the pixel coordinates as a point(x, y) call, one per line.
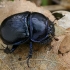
point(51, 5)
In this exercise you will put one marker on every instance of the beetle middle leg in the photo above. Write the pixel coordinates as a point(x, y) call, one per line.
point(30, 53)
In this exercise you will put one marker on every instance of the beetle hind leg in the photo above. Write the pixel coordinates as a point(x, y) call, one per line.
point(7, 50)
point(30, 54)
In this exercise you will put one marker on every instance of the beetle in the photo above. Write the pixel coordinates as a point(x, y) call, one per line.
point(26, 27)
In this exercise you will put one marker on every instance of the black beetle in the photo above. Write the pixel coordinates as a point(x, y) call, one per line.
point(26, 26)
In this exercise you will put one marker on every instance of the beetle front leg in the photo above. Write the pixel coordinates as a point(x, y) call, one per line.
point(30, 53)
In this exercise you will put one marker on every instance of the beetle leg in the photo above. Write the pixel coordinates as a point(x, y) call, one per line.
point(7, 50)
point(30, 53)
point(3, 47)
point(14, 48)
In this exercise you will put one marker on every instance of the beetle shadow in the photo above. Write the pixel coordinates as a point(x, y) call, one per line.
point(22, 49)
point(38, 47)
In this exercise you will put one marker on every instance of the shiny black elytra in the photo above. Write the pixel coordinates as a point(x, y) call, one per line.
point(26, 27)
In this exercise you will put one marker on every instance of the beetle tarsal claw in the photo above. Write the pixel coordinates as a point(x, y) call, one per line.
point(28, 57)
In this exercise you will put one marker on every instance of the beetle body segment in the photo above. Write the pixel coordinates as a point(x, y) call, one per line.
point(41, 27)
point(15, 28)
